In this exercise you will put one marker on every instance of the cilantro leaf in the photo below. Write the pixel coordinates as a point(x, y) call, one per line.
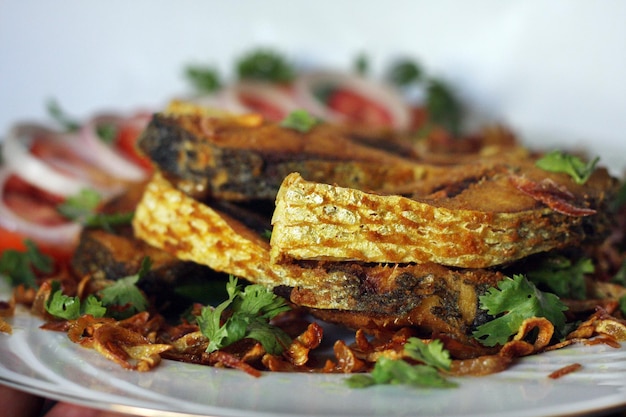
point(299, 120)
point(124, 295)
point(443, 106)
point(250, 312)
point(404, 72)
point(391, 371)
point(557, 161)
point(205, 80)
point(21, 267)
point(432, 354)
point(265, 65)
point(83, 208)
point(561, 276)
point(361, 64)
point(71, 308)
point(107, 132)
point(514, 300)
point(55, 111)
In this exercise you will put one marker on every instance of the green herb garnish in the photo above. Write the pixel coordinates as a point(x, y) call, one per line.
point(203, 79)
point(562, 276)
point(250, 309)
point(21, 267)
point(71, 308)
point(107, 133)
point(514, 300)
point(55, 111)
point(557, 161)
point(443, 107)
point(404, 73)
point(434, 359)
point(361, 64)
point(299, 120)
point(83, 208)
point(265, 65)
point(123, 298)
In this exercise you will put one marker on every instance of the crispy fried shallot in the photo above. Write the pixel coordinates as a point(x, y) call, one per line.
point(553, 195)
point(565, 370)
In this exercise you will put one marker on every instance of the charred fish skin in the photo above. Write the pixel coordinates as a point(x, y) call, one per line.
point(213, 158)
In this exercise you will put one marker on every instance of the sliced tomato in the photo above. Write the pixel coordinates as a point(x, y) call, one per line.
point(10, 240)
point(262, 107)
point(126, 142)
point(359, 109)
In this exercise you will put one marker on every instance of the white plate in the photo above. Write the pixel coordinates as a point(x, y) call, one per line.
point(47, 363)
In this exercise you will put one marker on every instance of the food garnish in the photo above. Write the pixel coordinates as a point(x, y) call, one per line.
point(21, 267)
point(251, 308)
point(513, 301)
point(558, 161)
point(299, 120)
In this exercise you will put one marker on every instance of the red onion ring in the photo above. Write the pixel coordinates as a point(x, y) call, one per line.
point(276, 97)
point(380, 93)
point(105, 157)
point(34, 170)
point(64, 235)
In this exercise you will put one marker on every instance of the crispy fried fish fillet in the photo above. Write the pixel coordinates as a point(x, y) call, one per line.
point(431, 297)
point(492, 220)
point(246, 157)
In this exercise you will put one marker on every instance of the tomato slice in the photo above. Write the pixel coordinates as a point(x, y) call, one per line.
point(126, 142)
point(10, 240)
point(262, 107)
point(359, 109)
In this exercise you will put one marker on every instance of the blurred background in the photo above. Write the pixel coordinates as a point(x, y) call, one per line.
point(553, 71)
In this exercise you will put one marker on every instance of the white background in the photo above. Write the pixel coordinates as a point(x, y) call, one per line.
point(553, 70)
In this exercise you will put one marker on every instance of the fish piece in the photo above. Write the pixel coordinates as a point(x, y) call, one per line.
point(479, 223)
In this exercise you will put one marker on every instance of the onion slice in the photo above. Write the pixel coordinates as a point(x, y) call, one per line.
point(274, 101)
point(61, 235)
point(104, 156)
point(18, 158)
point(306, 85)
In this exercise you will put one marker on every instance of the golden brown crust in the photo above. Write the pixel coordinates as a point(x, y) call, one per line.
point(488, 222)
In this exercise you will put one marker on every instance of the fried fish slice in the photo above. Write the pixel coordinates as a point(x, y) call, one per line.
point(478, 224)
point(242, 158)
point(431, 297)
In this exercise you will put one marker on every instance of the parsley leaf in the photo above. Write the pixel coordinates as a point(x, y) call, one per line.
point(21, 267)
point(123, 298)
point(265, 65)
point(561, 276)
point(514, 300)
point(71, 308)
point(250, 312)
point(83, 208)
point(299, 120)
point(557, 161)
point(205, 80)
